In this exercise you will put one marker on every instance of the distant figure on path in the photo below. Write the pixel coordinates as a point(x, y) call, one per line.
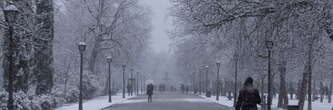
point(248, 97)
point(150, 92)
point(129, 89)
point(182, 88)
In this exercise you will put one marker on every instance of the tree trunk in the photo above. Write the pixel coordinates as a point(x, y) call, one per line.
point(298, 91)
point(223, 88)
point(321, 92)
point(43, 49)
point(310, 88)
point(262, 89)
point(66, 80)
point(98, 38)
point(306, 83)
point(330, 92)
point(94, 56)
point(315, 91)
point(283, 94)
point(302, 90)
point(291, 90)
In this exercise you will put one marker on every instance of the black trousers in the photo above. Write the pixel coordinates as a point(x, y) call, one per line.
point(150, 98)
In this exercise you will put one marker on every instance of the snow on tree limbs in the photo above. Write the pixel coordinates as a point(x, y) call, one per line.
point(225, 11)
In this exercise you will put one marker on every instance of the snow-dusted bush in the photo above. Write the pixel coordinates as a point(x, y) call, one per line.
point(72, 94)
point(90, 86)
point(27, 101)
point(3, 99)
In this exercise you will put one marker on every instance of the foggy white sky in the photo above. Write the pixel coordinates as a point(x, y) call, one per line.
point(161, 24)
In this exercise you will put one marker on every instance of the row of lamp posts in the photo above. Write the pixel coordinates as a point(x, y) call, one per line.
point(269, 47)
point(82, 47)
point(132, 80)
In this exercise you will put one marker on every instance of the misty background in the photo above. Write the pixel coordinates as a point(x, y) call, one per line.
point(171, 42)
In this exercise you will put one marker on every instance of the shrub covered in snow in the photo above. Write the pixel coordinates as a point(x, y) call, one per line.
point(3, 99)
point(26, 101)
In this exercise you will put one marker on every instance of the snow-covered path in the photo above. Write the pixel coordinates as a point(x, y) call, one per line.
point(169, 101)
point(97, 103)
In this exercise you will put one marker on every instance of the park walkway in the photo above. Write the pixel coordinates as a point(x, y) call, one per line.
point(168, 101)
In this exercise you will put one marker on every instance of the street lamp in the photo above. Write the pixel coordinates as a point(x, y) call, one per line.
point(236, 76)
point(10, 13)
point(206, 82)
point(194, 84)
point(137, 83)
point(109, 60)
point(218, 64)
point(131, 80)
point(82, 47)
point(200, 80)
point(142, 83)
point(124, 67)
point(269, 46)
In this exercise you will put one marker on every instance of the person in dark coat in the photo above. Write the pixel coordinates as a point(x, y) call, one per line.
point(248, 97)
point(150, 92)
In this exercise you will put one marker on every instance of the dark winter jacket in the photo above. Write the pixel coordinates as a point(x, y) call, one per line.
point(248, 99)
point(150, 89)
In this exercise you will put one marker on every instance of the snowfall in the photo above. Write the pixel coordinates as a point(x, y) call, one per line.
point(101, 103)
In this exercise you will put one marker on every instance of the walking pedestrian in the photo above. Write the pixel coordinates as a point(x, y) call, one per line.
point(248, 96)
point(129, 89)
point(150, 92)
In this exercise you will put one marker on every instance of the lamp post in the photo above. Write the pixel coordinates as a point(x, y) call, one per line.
point(236, 76)
point(124, 67)
point(269, 46)
point(131, 80)
point(206, 80)
point(10, 13)
point(194, 87)
point(109, 60)
point(200, 81)
point(82, 47)
point(137, 83)
point(218, 64)
point(141, 83)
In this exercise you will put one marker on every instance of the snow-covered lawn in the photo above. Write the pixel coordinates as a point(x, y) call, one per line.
point(97, 103)
point(317, 105)
point(222, 100)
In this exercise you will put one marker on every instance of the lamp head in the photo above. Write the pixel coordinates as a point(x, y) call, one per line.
point(109, 59)
point(10, 13)
point(218, 63)
point(82, 47)
point(269, 45)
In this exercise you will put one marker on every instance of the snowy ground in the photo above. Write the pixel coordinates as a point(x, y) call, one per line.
point(98, 103)
point(169, 101)
point(317, 105)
